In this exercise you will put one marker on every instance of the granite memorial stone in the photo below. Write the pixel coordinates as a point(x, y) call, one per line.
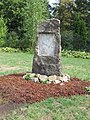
point(47, 57)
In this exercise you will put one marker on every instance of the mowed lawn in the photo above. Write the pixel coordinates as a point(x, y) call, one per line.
point(15, 62)
point(72, 108)
point(22, 62)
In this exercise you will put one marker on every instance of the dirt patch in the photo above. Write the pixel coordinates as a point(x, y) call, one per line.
point(68, 67)
point(7, 107)
point(14, 88)
point(5, 68)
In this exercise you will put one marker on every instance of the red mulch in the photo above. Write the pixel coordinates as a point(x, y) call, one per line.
point(14, 88)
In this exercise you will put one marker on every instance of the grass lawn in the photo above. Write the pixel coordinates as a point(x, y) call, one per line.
point(73, 108)
point(22, 62)
point(77, 67)
point(15, 62)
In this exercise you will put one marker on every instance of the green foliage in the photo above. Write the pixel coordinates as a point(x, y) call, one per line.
point(81, 7)
point(63, 11)
point(12, 40)
point(76, 54)
point(27, 77)
point(30, 50)
point(22, 17)
point(13, 12)
point(80, 24)
point(36, 12)
point(73, 16)
point(8, 49)
point(67, 40)
point(88, 89)
point(80, 33)
point(3, 31)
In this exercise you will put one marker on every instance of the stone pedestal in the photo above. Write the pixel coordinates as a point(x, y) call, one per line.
point(47, 57)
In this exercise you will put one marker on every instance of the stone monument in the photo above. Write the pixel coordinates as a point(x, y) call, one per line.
point(47, 57)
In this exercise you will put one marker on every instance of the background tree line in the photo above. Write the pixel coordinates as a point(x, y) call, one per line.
point(19, 19)
point(75, 23)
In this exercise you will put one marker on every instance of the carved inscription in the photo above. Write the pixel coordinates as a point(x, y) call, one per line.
point(46, 45)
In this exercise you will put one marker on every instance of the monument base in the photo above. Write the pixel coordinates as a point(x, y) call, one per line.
point(41, 66)
point(47, 79)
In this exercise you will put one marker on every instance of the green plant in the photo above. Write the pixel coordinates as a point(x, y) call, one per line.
point(3, 31)
point(12, 40)
point(8, 49)
point(76, 54)
point(45, 82)
point(88, 89)
point(27, 77)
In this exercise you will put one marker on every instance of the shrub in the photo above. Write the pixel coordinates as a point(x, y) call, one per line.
point(76, 54)
point(8, 49)
point(12, 40)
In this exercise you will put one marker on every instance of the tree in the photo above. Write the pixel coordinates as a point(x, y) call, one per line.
point(3, 31)
point(67, 40)
point(73, 16)
point(62, 11)
point(36, 12)
point(81, 7)
point(80, 24)
point(88, 24)
point(80, 33)
point(22, 17)
point(13, 13)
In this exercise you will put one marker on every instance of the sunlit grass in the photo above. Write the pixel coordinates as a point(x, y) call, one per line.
point(74, 108)
point(22, 62)
point(77, 67)
point(15, 62)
